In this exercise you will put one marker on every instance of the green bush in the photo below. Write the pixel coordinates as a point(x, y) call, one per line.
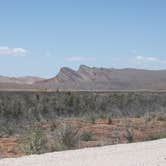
point(86, 136)
point(34, 141)
point(66, 138)
point(91, 117)
point(6, 131)
point(103, 116)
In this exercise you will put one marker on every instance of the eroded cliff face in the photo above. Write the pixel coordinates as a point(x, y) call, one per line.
point(26, 107)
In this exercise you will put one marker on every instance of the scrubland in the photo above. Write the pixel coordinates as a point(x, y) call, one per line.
point(40, 122)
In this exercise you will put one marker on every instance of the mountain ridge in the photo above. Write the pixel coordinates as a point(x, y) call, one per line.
point(91, 79)
point(20, 80)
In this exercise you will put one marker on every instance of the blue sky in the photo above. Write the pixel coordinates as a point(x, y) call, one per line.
point(37, 37)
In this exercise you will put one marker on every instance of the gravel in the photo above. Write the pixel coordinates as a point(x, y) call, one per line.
point(152, 153)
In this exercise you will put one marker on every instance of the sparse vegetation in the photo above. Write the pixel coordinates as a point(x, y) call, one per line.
point(109, 120)
point(91, 117)
point(34, 141)
point(66, 137)
point(6, 131)
point(157, 136)
point(67, 118)
point(37, 106)
point(129, 135)
point(87, 136)
point(53, 125)
point(161, 117)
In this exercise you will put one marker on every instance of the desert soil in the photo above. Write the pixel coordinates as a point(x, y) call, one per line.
point(152, 153)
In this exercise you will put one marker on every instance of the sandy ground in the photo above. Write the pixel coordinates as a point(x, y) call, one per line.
point(151, 153)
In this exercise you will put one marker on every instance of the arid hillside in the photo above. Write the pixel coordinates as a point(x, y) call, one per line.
point(91, 79)
point(20, 80)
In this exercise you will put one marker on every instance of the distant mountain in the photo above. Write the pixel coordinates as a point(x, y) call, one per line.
point(20, 80)
point(92, 78)
point(18, 83)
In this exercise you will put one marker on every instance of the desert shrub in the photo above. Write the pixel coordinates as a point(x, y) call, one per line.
point(34, 141)
point(87, 136)
point(126, 122)
point(6, 131)
point(109, 120)
point(105, 116)
point(66, 137)
point(102, 116)
point(138, 116)
point(70, 101)
point(115, 136)
point(53, 125)
point(129, 135)
point(156, 136)
point(91, 117)
point(149, 117)
point(161, 117)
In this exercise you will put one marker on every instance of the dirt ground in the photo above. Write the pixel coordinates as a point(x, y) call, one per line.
point(103, 131)
point(151, 153)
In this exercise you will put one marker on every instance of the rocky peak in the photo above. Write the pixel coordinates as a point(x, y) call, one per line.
point(67, 73)
point(66, 70)
point(84, 68)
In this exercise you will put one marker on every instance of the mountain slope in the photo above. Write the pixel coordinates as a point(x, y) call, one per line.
point(20, 80)
point(87, 78)
point(18, 83)
point(91, 78)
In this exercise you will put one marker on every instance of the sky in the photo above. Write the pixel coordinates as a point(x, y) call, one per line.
point(38, 37)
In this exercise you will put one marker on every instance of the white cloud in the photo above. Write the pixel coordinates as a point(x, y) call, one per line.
point(149, 59)
point(7, 51)
point(139, 58)
point(79, 59)
point(133, 51)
